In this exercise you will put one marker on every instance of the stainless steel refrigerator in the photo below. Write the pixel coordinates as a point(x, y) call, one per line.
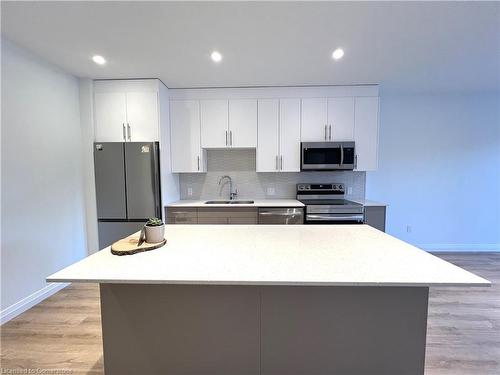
point(127, 179)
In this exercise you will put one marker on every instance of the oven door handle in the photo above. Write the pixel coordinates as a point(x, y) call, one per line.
point(355, 218)
point(341, 155)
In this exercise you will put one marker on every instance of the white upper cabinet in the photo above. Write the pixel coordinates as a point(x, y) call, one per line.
point(340, 119)
point(290, 135)
point(366, 133)
point(187, 155)
point(278, 148)
point(327, 119)
point(110, 116)
point(314, 120)
point(274, 120)
point(243, 123)
point(142, 116)
point(126, 112)
point(267, 155)
point(214, 123)
point(229, 123)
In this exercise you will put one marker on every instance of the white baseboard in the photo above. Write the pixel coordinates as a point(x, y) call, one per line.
point(19, 307)
point(453, 247)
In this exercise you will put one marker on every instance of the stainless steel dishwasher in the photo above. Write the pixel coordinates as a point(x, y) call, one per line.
point(281, 215)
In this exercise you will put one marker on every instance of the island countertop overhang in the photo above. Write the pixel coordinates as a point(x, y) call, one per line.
point(303, 255)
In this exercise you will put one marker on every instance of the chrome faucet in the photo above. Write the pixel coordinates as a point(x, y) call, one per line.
point(232, 194)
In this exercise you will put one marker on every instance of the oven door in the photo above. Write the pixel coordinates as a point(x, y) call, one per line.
point(330, 218)
point(317, 156)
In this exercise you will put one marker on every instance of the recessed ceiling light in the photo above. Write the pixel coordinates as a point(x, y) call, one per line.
point(216, 56)
point(337, 54)
point(99, 59)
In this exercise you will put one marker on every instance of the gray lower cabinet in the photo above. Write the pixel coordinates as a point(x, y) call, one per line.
point(230, 215)
point(179, 215)
point(212, 220)
point(211, 215)
point(375, 217)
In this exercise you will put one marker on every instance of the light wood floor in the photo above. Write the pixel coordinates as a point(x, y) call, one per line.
point(63, 332)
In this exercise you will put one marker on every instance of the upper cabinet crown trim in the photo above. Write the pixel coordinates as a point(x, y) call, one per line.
point(134, 85)
point(275, 92)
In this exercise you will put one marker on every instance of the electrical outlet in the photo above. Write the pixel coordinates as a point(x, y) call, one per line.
point(271, 191)
point(190, 191)
point(349, 190)
point(408, 229)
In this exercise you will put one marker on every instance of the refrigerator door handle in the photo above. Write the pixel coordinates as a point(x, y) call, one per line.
point(156, 182)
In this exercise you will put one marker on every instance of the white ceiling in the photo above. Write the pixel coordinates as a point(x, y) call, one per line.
point(407, 46)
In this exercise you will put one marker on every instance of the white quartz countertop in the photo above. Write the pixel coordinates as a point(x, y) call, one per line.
point(330, 255)
point(369, 203)
point(192, 203)
point(257, 203)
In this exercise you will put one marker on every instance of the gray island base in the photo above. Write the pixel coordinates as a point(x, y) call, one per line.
point(267, 300)
point(269, 330)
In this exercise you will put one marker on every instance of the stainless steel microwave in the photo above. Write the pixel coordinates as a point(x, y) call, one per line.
point(327, 156)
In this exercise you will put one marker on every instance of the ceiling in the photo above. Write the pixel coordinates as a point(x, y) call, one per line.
point(404, 46)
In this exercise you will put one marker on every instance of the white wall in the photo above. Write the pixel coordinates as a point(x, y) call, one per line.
point(439, 170)
point(43, 227)
point(87, 144)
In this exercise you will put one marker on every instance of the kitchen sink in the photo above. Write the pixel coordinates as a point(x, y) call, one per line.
point(229, 202)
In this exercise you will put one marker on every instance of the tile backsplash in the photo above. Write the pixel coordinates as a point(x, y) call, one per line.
point(240, 165)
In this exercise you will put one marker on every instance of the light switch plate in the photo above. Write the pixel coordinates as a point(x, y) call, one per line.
point(349, 190)
point(271, 191)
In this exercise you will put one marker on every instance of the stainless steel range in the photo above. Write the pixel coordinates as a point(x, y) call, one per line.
point(326, 204)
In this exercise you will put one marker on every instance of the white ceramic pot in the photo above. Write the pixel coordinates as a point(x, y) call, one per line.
point(155, 234)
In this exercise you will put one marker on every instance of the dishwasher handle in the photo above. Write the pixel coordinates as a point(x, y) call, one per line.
point(281, 216)
point(266, 213)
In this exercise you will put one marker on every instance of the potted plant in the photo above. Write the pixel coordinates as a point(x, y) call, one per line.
point(155, 230)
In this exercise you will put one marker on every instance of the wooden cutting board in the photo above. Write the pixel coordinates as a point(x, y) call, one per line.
point(128, 246)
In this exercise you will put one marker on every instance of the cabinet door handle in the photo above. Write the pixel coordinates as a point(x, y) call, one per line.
point(281, 162)
point(330, 133)
point(325, 132)
point(230, 137)
point(277, 167)
point(198, 162)
point(226, 137)
point(123, 130)
point(129, 131)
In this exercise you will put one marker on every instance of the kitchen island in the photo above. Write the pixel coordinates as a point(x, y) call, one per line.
point(308, 299)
